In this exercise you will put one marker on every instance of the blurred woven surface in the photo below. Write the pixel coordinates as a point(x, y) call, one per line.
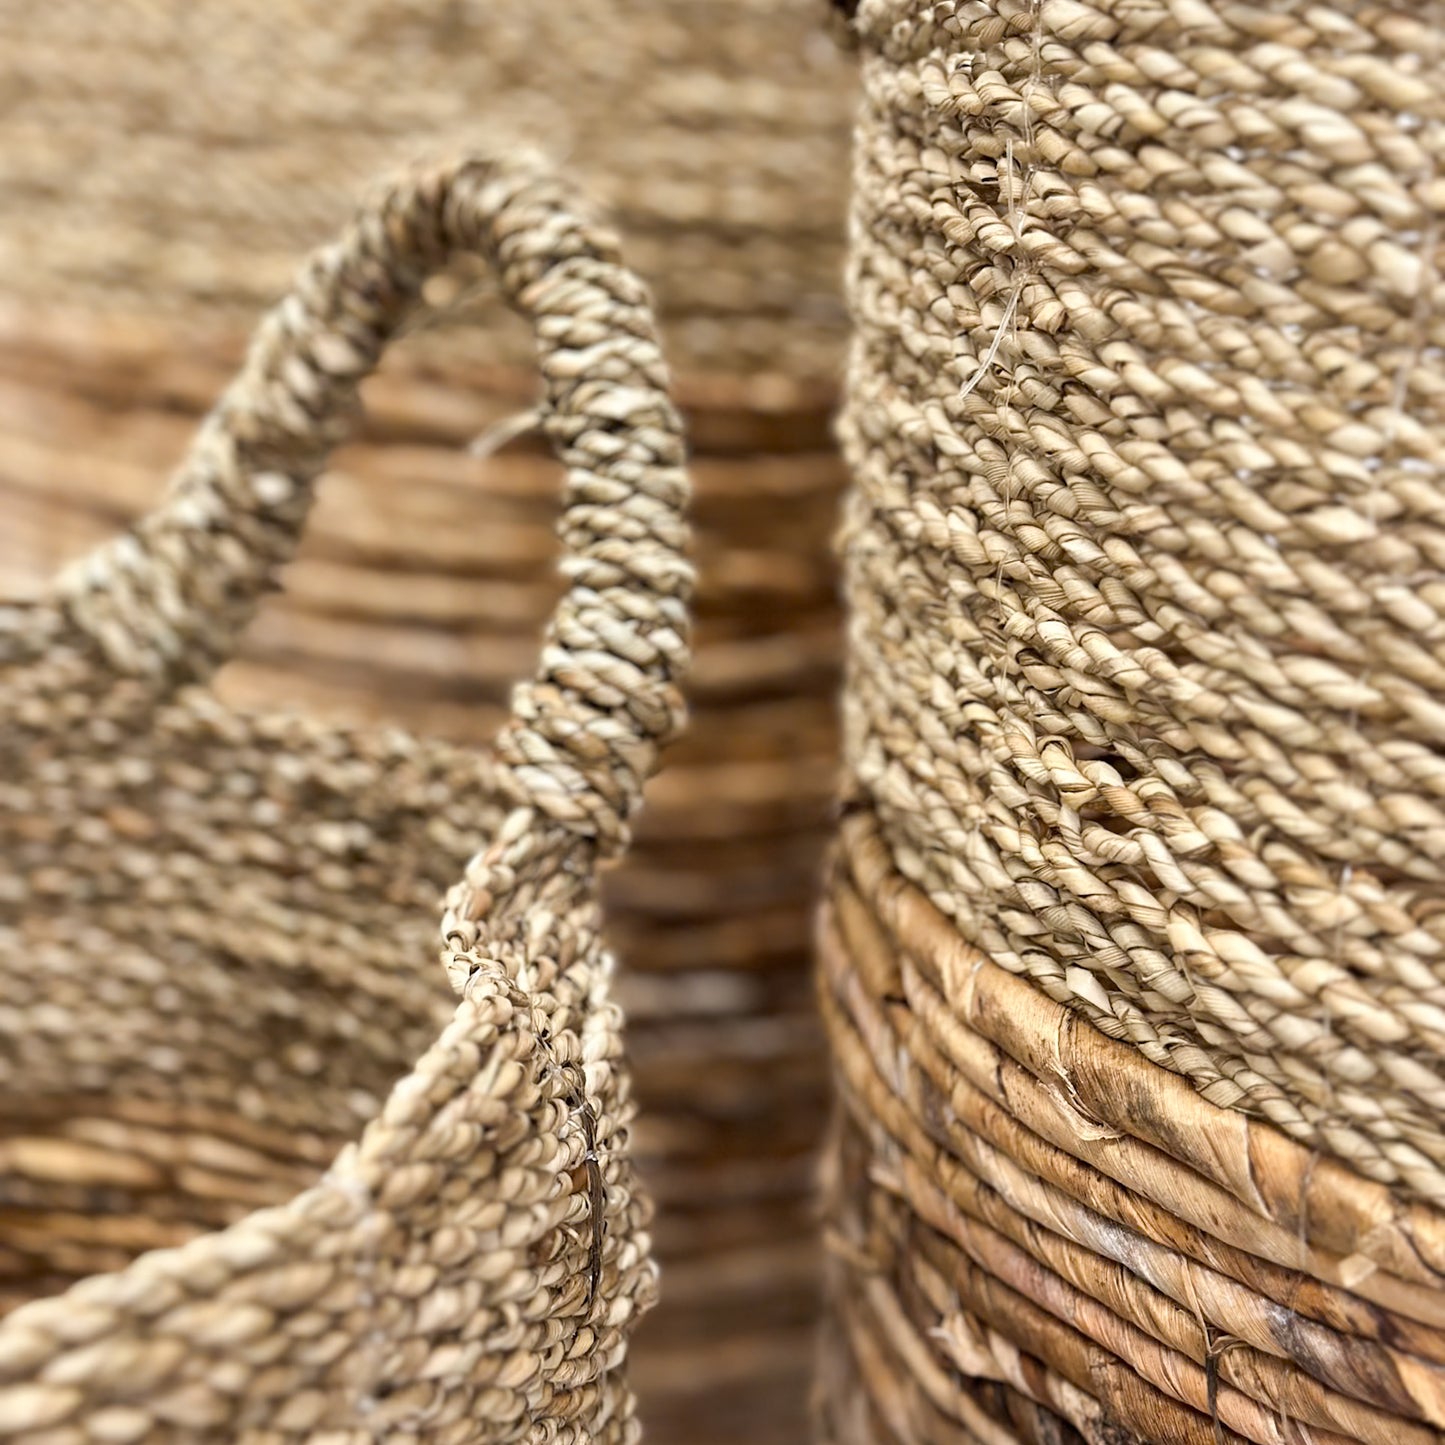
point(169, 191)
point(1132, 967)
point(167, 156)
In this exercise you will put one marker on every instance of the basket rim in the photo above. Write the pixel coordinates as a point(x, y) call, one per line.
point(486, 972)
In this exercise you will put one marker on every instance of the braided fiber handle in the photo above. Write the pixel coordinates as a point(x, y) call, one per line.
point(166, 602)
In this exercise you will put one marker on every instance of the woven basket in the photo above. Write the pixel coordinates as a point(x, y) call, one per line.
point(159, 155)
point(369, 1210)
point(1131, 963)
point(167, 164)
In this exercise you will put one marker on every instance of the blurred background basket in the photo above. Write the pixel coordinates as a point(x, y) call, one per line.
point(1132, 961)
point(167, 165)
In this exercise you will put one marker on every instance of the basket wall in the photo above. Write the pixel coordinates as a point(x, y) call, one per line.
point(716, 137)
point(1131, 958)
point(219, 993)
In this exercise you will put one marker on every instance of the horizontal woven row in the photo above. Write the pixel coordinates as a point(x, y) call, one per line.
point(1017, 1198)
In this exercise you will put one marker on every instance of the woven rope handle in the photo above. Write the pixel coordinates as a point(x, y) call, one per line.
point(167, 601)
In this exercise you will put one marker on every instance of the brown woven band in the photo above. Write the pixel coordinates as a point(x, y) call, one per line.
point(1009, 1179)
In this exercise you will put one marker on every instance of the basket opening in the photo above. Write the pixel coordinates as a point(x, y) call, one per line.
point(153, 1096)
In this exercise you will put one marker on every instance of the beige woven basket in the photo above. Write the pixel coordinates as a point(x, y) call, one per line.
point(159, 154)
point(369, 1210)
point(167, 162)
point(1131, 963)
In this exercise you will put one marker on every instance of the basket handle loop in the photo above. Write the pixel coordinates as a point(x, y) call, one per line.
point(166, 602)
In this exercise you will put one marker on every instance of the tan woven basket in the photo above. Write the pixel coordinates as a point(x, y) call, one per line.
point(370, 1210)
point(1131, 963)
point(167, 162)
point(160, 155)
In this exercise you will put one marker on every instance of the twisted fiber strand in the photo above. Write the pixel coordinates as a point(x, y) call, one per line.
point(716, 137)
point(714, 933)
point(170, 598)
point(1147, 657)
point(1279, 799)
point(976, 869)
point(948, 1125)
point(188, 882)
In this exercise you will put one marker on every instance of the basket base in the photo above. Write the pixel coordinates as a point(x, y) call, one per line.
point(1030, 1223)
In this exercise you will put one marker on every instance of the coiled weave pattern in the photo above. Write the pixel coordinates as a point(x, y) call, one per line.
point(1132, 958)
point(1147, 421)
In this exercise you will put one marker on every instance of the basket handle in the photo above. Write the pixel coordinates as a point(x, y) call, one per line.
point(166, 602)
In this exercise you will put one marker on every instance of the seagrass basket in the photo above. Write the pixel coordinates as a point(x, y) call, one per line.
point(166, 164)
point(266, 1177)
point(1131, 959)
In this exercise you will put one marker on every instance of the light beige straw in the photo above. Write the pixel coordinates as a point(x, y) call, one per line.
point(1132, 959)
point(219, 987)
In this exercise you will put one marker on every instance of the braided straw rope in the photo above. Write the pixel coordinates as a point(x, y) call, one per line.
point(1146, 425)
point(187, 882)
point(1132, 962)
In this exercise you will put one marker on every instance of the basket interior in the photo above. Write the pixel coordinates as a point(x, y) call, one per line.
point(218, 951)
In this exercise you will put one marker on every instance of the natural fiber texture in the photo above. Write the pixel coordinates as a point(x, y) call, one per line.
point(1132, 963)
point(1018, 1198)
point(1147, 422)
point(215, 925)
point(164, 154)
point(416, 598)
point(168, 163)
